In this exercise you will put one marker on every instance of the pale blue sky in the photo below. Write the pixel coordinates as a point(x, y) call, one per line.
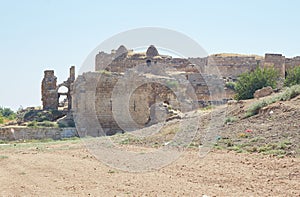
point(53, 34)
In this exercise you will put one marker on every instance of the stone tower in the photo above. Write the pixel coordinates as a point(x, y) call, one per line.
point(69, 84)
point(49, 90)
point(152, 51)
point(121, 51)
point(72, 74)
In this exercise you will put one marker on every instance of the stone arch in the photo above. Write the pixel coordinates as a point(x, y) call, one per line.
point(62, 88)
point(65, 93)
point(148, 62)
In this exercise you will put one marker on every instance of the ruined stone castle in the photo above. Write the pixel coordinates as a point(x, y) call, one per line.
point(51, 90)
point(127, 90)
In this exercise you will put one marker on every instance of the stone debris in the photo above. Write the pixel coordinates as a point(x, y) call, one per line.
point(265, 91)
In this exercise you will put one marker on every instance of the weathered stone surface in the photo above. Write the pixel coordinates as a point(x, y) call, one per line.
point(277, 61)
point(263, 92)
point(203, 76)
point(152, 51)
point(41, 115)
point(66, 121)
point(226, 66)
point(232, 102)
point(24, 133)
point(121, 51)
point(49, 90)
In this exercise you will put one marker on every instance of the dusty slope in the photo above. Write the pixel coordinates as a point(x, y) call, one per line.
point(275, 130)
point(68, 169)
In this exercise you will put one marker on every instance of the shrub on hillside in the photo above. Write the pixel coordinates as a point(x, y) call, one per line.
point(43, 124)
point(249, 82)
point(230, 85)
point(46, 124)
point(64, 124)
point(172, 84)
point(40, 116)
point(32, 124)
point(287, 94)
point(254, 109)
point(293, 76)
point(1, 119)
point(7, 113)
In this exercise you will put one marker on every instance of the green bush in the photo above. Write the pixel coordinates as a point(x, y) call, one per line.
point(289, 93)
point(172, 84)
point(249, 82)
point(46, 124)
point(7, 113)
point(230, 85)
point(42, 118)
point(286, 95)
point(35, 124)
point(1, 119)
point(39, 116)
point(32, 124)
point(28, 114)
point(254, 109)
point(63, 124)
point(230, 119)
point(55, 112)
point(293, 76)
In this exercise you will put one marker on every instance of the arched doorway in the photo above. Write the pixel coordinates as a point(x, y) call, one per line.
point(64, 97)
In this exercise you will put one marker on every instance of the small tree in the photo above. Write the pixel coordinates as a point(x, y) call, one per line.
point(293, 76)
point(249, 82)
point(1, 119)
point(7, 112)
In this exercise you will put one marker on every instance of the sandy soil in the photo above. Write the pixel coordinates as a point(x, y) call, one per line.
point(68, 169)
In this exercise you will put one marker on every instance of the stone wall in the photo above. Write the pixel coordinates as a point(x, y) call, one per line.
point(25, 133)
point(146, 97)
point(96, 97)
point(49, 90)
point(232, 66)
point(277, 61)
point(209, 88)
point(83, 106)
point(102, 60)
point(103, 103)
point(100, 102)
point(101, 98)
point(227, 66)
point(292, 62)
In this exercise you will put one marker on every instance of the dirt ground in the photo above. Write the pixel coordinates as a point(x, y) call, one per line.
point(255, 156)
point(66, 168)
